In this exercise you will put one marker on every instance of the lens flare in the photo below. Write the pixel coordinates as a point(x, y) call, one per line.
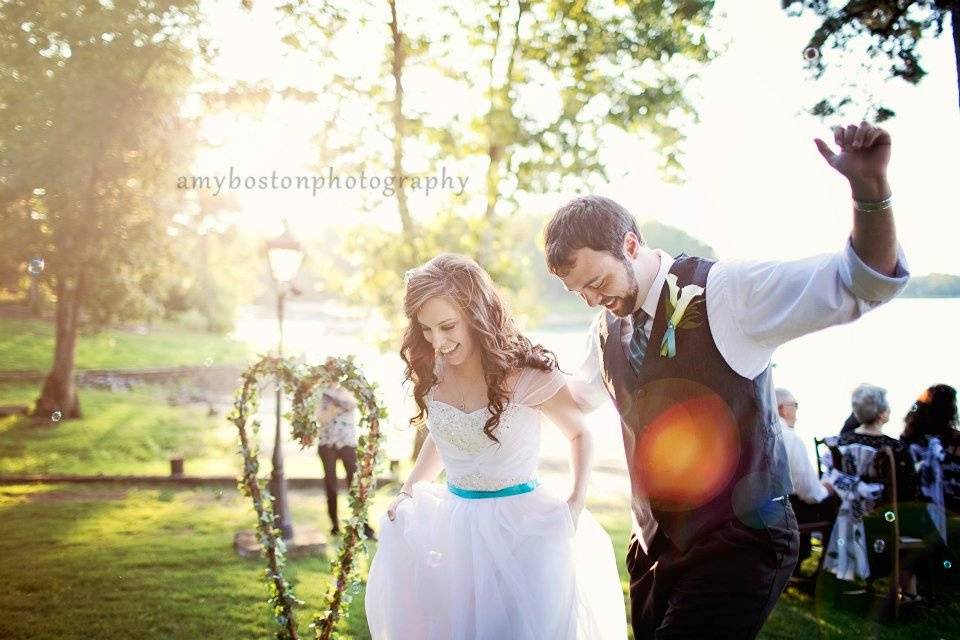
point(688, 453)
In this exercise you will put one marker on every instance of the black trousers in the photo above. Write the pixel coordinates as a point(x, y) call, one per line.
point(825, 511)
point(329, 456)
point(723, 586)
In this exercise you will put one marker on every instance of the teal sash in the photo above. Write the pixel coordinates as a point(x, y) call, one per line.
point(516, 489)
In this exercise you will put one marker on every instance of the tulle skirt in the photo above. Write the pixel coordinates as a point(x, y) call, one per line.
point(452, 568)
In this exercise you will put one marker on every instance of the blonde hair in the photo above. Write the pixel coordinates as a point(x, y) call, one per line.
point(502, 347)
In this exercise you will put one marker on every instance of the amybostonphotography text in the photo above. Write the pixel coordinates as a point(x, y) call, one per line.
point(386, 184)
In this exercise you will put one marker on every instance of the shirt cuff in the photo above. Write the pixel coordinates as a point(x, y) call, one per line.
point(868, 284)
point(817, 495)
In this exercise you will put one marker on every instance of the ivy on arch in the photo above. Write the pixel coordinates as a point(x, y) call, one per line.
point(301, 382)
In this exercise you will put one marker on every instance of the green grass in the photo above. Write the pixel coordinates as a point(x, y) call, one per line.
point(109, 563)
point(798, 616)
point(133, 432)
point(28, 345)
point(146, 564)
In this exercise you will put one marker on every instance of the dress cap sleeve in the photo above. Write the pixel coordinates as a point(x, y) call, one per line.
point(536, 386)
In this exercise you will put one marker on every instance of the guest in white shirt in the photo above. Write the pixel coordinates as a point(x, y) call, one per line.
point(812, 499)
point(337, 440)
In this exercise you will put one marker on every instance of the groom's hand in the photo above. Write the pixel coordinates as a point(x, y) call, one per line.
point(863, 159)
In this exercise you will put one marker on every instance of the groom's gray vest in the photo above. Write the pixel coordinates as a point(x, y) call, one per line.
point(693, 409)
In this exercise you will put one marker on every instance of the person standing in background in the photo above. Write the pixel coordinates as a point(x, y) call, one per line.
point(337, 440)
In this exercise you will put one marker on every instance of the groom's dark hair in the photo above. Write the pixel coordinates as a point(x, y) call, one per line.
point(593, 222)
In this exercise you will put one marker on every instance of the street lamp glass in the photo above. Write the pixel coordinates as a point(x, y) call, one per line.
point(284, 263)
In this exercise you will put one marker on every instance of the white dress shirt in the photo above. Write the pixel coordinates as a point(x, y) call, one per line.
point(806, 484)
point(755, 306)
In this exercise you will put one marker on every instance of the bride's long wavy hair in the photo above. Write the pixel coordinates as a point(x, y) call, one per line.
point(502, 347)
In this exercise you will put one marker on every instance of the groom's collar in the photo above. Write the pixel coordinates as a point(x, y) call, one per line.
point(649, 304)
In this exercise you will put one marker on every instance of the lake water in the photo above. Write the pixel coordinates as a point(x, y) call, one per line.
point(903, 346)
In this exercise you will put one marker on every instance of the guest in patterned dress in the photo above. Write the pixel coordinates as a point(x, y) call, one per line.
point(861, 482)
point(930, 432)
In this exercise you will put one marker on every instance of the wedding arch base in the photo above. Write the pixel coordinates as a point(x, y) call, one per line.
point(306, 541)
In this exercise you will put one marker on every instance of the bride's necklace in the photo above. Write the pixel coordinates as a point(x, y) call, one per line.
point(463, 402)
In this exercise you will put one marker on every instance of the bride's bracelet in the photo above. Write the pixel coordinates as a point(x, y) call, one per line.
point(404, 493)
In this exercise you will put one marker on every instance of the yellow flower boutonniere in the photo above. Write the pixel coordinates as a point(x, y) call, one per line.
point(684, 311)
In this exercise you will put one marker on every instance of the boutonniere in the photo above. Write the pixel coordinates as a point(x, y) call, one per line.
point(684, 312)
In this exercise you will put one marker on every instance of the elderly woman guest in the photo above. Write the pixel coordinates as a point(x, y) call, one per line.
point(872, 411)
point(862, 482)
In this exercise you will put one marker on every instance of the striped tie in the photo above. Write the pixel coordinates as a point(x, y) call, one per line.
point(638, 341)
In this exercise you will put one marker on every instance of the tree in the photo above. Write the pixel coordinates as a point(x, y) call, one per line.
point(894, 28)
point(673, 240)
point(91, 140)
point(934, 285)
point(623, 65)
point(212, 272)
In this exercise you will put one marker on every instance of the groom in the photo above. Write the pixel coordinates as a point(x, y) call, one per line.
point(683, 348)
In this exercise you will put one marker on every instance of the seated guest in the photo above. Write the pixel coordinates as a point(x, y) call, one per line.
point(861, 484)
point(812, 500)
point(930, 432)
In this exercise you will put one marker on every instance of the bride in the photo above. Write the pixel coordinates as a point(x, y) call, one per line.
point(491, 555)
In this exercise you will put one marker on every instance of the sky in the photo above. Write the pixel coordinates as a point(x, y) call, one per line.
point(756, 186)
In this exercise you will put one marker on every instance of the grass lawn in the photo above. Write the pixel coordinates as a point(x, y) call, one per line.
point(87, 562)
point(28, 345)
point(133, 432)
point(83, 562)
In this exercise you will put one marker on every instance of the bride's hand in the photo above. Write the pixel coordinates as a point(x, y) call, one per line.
point(576, 507)
point(392, 509)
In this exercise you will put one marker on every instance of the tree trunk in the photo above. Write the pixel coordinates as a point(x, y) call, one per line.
point(399, 134)
point(59, 392)
point(955, 23)
point(494, 148)
point(399, 123)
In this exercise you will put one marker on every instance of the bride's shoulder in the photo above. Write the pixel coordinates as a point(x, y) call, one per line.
point(533, 385)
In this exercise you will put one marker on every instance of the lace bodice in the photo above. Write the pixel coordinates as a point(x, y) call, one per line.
point(474, 461)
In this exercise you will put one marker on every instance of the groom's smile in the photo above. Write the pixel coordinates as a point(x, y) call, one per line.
point(601, 279)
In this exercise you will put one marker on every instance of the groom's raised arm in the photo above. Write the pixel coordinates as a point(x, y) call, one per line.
point(863, 160)
point(756, 306)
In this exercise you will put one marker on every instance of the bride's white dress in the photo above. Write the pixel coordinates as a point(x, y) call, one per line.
point(493, 568)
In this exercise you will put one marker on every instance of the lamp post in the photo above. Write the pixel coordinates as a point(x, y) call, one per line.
point(285, 256)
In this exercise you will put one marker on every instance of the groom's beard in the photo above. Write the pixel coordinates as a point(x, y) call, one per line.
point(627, 303)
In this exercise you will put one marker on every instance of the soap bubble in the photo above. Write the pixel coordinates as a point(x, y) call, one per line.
point(889, 516)
point(35, 267)
point(811, 53)
point(841, 542)
point(947, 564)
point(55, 416)
point(208, 362)
point(879, 545)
